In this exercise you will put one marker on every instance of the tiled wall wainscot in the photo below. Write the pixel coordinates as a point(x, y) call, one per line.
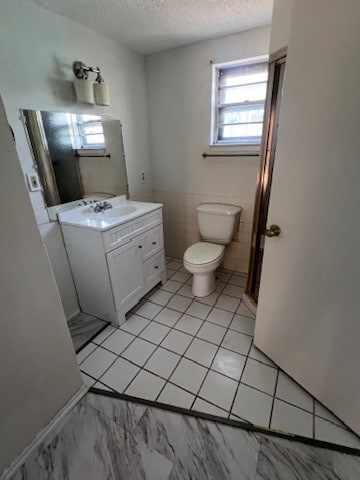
point(181, 226)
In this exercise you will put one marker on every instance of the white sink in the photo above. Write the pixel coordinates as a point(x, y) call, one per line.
point(91, 214)
point(119, 211)
point(123, 211)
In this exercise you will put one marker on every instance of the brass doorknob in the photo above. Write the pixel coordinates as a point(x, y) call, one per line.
point(273, 231)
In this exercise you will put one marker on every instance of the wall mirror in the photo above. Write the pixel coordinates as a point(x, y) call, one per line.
point(77, 155)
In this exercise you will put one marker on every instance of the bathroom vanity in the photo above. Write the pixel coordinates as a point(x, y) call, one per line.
point(116, 255)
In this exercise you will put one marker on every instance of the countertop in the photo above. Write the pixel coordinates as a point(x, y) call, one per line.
point(85, 217)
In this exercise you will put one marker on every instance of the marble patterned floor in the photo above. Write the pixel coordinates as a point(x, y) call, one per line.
point(198, 353)
point(83, 328)
point(107, 438)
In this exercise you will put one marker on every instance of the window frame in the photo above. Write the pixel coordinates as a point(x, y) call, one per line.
point(250, 147)
point(85, 136)
point(78, 135)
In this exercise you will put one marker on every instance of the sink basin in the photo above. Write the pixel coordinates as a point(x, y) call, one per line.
point(92, 215)
point(119, 211)
point(123, 211)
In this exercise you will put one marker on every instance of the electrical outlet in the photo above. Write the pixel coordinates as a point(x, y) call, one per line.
point(142, 176)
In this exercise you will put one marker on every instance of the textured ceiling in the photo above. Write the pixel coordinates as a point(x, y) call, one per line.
point(153, 25)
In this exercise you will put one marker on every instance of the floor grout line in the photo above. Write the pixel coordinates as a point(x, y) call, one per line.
point(217, 350)
point(118, 355)
point(157, 345)
point(202, 321)
point(194, 336)
point(273, 399)
point(101, 346)
point(195, 301)
point(239, 383)
point(293, 404)
point(198, 396)
point(138, 336)
point(313, 419)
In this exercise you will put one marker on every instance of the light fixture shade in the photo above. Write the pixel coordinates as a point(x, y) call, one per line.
point(84, 88)
point(102, 93)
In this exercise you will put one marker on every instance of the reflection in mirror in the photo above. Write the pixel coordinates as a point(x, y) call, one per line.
point(77, 156)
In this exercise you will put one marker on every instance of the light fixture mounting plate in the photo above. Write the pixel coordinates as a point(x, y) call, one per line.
point(80, 70)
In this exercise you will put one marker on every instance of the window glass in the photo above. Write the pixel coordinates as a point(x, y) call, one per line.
point(238, 111)
point(87, 131)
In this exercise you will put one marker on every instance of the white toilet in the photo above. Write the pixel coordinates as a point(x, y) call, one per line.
point(217, 224)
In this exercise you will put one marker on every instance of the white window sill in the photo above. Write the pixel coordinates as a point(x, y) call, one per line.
point(234, 148)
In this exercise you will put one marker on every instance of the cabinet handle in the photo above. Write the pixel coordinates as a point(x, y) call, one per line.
point(154, 243)
point(140, 246)
point(156, 267)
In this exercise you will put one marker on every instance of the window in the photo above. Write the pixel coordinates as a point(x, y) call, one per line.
point(91, 131)
point(239, 91)
point(87, 131)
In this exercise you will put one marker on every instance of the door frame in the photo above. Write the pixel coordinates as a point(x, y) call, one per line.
point(263, 182)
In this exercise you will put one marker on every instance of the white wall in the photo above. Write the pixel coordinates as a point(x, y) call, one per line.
point(53, 241)
point(39, 372)
point(280, 24)
point(179, 90)
point(309, 305)
point(37, 50)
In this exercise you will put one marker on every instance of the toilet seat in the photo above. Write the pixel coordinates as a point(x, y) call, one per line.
point(203, 253)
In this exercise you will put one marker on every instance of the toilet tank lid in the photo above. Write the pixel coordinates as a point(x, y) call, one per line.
point(218, 209)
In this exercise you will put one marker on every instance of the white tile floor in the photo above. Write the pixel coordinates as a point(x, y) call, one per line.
point(198, 353)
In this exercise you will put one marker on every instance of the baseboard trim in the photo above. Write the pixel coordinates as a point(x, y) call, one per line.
point(45, 435)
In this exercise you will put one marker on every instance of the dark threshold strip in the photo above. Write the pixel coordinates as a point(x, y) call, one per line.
point(92, 338)
point(230, 422)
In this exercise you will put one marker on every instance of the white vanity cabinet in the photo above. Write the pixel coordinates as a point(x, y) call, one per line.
point(126, 273)
point(115, 268)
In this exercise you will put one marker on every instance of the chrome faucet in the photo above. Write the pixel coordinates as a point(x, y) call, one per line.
point(85, 202)
point(101, 206)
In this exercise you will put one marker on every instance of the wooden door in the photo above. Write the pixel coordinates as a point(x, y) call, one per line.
point(309, 304)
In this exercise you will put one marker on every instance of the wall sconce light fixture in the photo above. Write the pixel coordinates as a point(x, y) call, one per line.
point(88, 91)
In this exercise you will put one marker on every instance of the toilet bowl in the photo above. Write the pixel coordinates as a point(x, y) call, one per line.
point(217, 223)
point(202, 259)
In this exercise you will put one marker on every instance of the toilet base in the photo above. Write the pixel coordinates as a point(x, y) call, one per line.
point(203, 284)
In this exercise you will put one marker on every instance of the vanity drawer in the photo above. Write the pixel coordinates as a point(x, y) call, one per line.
point(154, 266)
point(124, 233)
point(151, 242)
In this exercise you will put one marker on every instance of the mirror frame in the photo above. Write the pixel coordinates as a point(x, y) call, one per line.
point(42, 162)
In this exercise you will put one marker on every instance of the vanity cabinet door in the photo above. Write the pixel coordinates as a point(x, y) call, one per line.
point(154, 267)
point(126, 272)
point(151, 242)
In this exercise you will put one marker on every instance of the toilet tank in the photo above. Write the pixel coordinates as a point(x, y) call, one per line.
point(218, 222)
